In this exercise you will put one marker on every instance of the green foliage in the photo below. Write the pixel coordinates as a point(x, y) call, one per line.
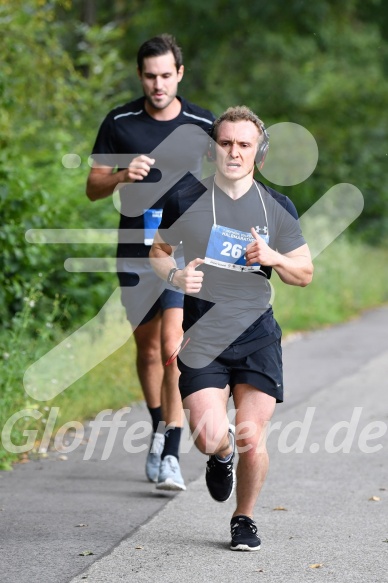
point(347, 279)
point(18, 347)
point(45, 103)
point(112, 384)
point(322, 65)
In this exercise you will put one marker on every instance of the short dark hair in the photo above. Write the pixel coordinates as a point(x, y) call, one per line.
point(160, 45)
point(238, 113)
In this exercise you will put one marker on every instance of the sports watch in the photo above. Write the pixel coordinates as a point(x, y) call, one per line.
point(170, 277)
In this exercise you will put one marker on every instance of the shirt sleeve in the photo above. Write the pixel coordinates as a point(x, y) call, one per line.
point(288, 233)
point(105, 143)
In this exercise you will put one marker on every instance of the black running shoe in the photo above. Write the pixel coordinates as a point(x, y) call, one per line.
point(244, 534)
point(220, 476)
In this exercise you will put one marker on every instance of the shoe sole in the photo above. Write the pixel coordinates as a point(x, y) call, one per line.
point(244, 548)
point(170, 485)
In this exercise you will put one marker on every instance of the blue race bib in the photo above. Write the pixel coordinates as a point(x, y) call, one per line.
point(226, 249)
point(152, 219)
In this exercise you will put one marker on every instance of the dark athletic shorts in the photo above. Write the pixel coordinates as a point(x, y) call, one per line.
point(143, 293)
point(262, 368)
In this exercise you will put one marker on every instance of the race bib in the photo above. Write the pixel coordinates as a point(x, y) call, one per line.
point(152, 218)
point(226, 249)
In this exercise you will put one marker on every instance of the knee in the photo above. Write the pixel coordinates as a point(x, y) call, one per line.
point(204, 444)
point(169, 348)
point(249, 448)
point(251, 441)
point(207, 442)
point(148, 355)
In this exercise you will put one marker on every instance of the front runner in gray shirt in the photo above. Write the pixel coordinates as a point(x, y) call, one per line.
point(234, 231)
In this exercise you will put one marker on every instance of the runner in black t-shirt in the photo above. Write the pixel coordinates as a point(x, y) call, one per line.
point(235, 231)
point(157, 141)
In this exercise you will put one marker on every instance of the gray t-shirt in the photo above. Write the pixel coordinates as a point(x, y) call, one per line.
point(232, 306)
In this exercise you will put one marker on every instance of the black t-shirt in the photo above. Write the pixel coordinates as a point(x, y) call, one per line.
point(127, 131)
point(229, 298)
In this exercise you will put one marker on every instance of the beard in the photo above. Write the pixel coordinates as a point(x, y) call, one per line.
point(159, 103)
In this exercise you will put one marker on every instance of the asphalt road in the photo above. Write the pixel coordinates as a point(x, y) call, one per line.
point(322, 515)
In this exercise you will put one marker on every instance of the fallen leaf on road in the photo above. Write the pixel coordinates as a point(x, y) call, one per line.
point(86, 553)
point(316, 565)
point(279, 508)
point(375, 499)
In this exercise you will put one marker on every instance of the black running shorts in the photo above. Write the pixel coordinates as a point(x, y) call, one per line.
point(261, 367)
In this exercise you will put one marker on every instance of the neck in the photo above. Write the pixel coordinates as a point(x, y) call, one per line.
point(166, 114)
point(234, 189)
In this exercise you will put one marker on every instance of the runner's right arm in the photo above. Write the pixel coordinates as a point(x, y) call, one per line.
point(103, 180)
point(162, 261)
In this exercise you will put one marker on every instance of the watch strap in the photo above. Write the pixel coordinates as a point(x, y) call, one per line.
point(170, 277)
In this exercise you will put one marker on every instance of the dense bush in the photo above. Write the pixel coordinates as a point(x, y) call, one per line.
point(45, 105)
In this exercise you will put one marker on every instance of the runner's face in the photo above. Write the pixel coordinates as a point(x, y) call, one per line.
point(160, 79)
point(237, 144)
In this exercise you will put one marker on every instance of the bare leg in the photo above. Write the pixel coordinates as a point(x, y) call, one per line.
point(170, 477)
point(171, 336)
point(206, 411)
point(254, 410)
point(149, 362)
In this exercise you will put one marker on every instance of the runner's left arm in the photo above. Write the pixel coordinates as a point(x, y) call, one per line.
point(293, 268)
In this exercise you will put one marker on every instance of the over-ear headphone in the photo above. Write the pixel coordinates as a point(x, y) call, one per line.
point(211, 150)
point(261, 152)
point(263, 148)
